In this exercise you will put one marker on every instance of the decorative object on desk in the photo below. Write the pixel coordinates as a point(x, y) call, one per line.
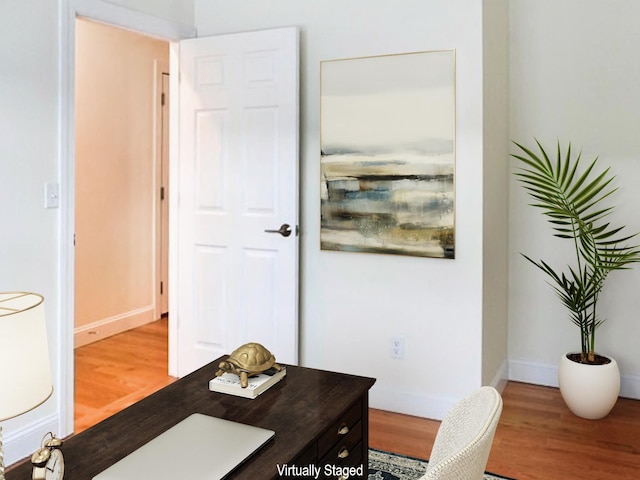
point(230, 383)
point(387, 154)
point(48, 461)
point(247, 360)
point(24, 357)
point(571, 198)
point(392, 466)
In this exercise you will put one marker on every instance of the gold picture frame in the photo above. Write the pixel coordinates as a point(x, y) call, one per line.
point(387, 136)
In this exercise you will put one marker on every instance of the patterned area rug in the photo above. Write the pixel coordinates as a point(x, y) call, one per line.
point(389, 466)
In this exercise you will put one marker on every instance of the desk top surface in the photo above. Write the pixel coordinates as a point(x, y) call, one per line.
point(298, 408)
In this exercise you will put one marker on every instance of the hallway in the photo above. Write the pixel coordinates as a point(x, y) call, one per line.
point(113, 373)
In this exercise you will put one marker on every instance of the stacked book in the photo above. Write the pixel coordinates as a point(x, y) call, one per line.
point(230, 383)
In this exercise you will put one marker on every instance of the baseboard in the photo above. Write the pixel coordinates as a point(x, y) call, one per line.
point(419, 405)
point(107, 327)
point(630, 386)
point(21, 443)
point(499, 381)
point(424, 405)
point(547, 375)
point(531, 372)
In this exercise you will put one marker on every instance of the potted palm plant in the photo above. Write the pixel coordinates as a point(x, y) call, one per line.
point(573, 201)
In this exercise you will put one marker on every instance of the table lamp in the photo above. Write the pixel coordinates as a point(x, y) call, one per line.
point(25, 374)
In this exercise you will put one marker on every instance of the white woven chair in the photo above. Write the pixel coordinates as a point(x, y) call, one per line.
point(463, 441)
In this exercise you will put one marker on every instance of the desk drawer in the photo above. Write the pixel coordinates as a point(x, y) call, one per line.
point(347, 450)
point(347, 467)
point(340, 429)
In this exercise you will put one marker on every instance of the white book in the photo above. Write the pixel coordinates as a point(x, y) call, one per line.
point(230, 383)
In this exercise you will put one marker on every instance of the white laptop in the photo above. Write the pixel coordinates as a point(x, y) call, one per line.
point(200, 447)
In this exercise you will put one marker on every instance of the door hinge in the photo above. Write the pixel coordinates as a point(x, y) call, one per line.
point(162, 99)
point(161, 193)
point(161, 288)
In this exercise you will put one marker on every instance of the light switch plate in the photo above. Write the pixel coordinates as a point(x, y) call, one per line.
point(51, 195)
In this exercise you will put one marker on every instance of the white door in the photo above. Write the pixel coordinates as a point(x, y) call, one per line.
point(238, 178)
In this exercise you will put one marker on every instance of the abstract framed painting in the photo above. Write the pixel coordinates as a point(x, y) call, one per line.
point(387, 136)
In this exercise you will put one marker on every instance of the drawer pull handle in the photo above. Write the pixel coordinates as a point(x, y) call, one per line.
point(343, 430)
point(343, 453)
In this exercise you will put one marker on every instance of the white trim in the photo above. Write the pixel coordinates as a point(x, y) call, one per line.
point(174, 201)
point(409, 403)
point(499, 381)
point(426, 406)
point(158, 68)
point(547, 375)
point(131, 20)
point(66, 154)
point(20, 443)
point(124, 18)
point(532, 372)
point(630, 386)
point(107, 327)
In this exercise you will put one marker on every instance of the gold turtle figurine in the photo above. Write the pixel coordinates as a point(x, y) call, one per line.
point(247, 360)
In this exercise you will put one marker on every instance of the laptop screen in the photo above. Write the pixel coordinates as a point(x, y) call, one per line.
point(200, 447)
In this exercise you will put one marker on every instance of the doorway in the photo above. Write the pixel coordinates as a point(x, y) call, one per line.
point(121, 183)
point(157, 28)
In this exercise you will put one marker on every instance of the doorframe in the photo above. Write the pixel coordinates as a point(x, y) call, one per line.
point(161, 165)
point(120, 17)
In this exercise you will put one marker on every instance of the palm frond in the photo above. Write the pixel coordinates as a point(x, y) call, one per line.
point(571, 198)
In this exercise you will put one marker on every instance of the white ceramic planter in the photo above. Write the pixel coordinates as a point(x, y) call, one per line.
point(590, 391)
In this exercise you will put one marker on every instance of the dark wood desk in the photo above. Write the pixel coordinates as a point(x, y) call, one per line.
point(306, 410)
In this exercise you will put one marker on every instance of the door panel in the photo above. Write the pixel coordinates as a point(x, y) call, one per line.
point(238, 177)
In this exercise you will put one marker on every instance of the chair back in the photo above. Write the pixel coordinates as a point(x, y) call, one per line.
point(465, 436)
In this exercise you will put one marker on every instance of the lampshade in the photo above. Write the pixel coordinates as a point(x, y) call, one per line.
point(25, 375)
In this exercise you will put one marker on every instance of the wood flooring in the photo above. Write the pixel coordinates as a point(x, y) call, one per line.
point(537, 437)
point(113, 373)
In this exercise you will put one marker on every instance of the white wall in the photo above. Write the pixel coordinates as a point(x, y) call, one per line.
point(30, 155)
point(352, 304)
point(495, 17)
point(574, 76)
point(29, 159)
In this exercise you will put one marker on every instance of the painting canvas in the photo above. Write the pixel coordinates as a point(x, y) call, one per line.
point(388, 154)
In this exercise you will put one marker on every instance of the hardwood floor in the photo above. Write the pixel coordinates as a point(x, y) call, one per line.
point(113, 373)
point(537, 437)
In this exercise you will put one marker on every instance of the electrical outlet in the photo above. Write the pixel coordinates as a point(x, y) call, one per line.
point(396, 348)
